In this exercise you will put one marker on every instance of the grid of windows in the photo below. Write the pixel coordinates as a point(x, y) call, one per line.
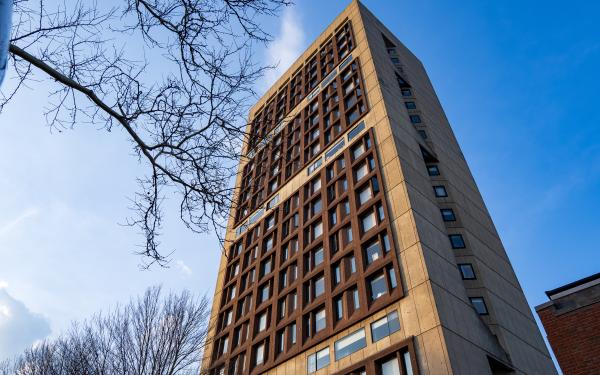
point(335, 109)
point(309, 276)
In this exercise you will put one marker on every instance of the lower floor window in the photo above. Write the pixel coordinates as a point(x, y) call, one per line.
point(318, 360)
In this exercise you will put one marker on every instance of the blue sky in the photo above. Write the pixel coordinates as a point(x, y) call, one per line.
point(519, 84)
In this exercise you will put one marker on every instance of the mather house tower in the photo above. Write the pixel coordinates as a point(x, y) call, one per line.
point(360, 243)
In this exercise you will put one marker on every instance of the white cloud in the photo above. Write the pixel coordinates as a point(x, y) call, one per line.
point(286, 47)
point(12, 224)
point(183, 267)
point(19, 327)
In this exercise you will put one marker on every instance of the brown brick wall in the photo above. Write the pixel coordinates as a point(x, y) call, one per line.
point(575, 338)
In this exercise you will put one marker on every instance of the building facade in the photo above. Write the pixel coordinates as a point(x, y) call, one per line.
point(359, 243)
point(571, 319)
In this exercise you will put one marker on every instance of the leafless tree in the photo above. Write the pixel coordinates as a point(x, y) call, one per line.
point(175, 76)
point(152, 335)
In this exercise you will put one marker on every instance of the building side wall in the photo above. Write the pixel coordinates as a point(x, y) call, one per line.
point(510, 322)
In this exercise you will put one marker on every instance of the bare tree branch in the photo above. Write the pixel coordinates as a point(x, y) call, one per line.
point(175, 75)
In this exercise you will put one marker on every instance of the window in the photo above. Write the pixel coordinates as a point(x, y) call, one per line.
point(390, 367)
point(352, 261)
point(320, 320)
point(457, 241)
point(317, 229)
point(410, 105)
point(333, 218)
point(319, 286)
point(259, 354)
point(270, 222)
point(355, 299)
point(368, 221)
point(448, 214)
point(264, 293)
point(338, 308)
point(362, 171)
point(262, 321)
point(318, 256)
point(337, 274)
point(280, 339)
point(466, 270)
point(373, 251)
point(422, 133)
point(266, 267)
point(292, 328)
point(385, 326)
point(479, 305)
point(433, 170)
point(378, 286)
point(318, 360)
point(415, 119)
point(406, 92)
point(350, 344)
point(440, 191)
point(364, 194)
point(315, 185)
point(358, 151)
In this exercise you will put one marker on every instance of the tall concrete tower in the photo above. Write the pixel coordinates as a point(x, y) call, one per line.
point(360, 243)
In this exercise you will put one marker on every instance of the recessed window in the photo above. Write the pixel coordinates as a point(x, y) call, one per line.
point(358, 151)
point(440, 191)
point(320, 320)
point(266, 267)
point(259, 354)
point(385, 326)
point(355, 299)
point(317, 229)
point(433, 170)
point(318, 256)
point(364, 194)
point(292, 328)
point(467, 272)
point(319, 286)
point(337, 274)
point(352, 262)
point(457, 241)
point(422, 133)
point(339, 308)
point(448, 214)
point(368, 221)
point(362, 171)
point(270, 222)
point(479, 305)
point(350, 344)
point(264, 293)
point(406, 92)
point(378, 286)
point(262, 322)
point(410, 105)
point(415, 119)
point(373, 251)
point(318, 360)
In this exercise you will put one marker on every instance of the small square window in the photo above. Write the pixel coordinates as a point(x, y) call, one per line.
point(467, 272)
point(479, 305)
point(415, 119)
point(457, 241)
point(422, 133)
point(448, 214)
point(406, 92)
point(410, 105)
point(433, 170)
point(440, 191)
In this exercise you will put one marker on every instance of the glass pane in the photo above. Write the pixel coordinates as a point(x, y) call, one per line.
point(320, 320)
point(319, 286)
point(390, 367)
point(350, 344)
point(407, 363)
point(322, 358)
point(318, 256)
point(312, 363)
point(373, 252)
point(368, 221)
point(364, 195)
point(378, 287)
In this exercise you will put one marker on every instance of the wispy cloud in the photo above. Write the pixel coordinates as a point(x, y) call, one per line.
point(287, 45)
point(181, 266)
point(12, 224)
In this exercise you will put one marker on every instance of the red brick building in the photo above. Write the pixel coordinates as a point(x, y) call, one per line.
point(572, 321)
